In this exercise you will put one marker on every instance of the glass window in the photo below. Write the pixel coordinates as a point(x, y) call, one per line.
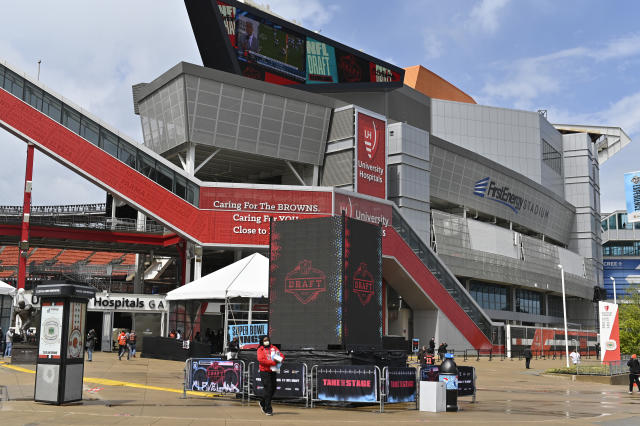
point(636, 225)
point(109, 142)
point(612, 221)
point(622, 221)
point(126, 153)
point(13, 83)
point(52, 107)
point(70, 119)
point(193, 193)
point(605, 225)
point(33, 96)
point(146, 165)
point(181, 187)
point(89, 130)
point(165, 176)
point(2, 68)
point(528, 302)
point(490, 296)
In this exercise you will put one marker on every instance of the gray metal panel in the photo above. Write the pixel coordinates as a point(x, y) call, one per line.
point(342, 125)
point(73, 382)
point(47, 380)
point(338, 169)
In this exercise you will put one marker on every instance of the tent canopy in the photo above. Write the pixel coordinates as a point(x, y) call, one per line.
point(7, 289)
point(248, 277)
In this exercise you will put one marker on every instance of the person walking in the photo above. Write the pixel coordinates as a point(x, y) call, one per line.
point(441, 351)
point(8, 342)
point(634, 372)
point(233, 349)
point(421, 354)
point(122, 344)
point(598, 349)
point(432, 346)
point(270, 359)
point(90, 344)
point(1, 343)
point(527, 356)
point(131, 343)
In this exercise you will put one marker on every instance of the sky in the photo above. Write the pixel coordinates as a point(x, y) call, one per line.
point(577, 59)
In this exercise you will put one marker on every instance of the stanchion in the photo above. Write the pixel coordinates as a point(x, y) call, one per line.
point(184, 380)
point(490, 354)
point(478, 354)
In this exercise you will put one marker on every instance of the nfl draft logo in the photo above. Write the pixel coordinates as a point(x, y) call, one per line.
point(363, 284)
point(305, 282)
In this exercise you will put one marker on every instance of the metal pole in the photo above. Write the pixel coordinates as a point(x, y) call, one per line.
point(26, 211)
point(564, 313)
point(615, 299)
point(39, 62)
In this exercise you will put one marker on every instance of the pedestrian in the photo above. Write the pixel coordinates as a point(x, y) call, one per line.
point(122, 344)
point(527, 356)
point(575, 357)
point(91, 344)
point(270, 359)
point(421, 354)
point(172, 334)
point(441, 351)
point(179, 335)
point(634, 372)
point(432, 346)
point(8, 342)
point(233, 349)
point(597, 349)
point(131, 343)
point(1, 343)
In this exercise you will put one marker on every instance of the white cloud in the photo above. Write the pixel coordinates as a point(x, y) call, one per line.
point(432, 45)
point(312, 14)
point(485, 15)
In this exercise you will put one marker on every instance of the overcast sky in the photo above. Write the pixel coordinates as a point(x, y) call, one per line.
point(576, 58)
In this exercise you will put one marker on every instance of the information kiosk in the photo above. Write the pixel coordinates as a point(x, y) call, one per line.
point(60, 363)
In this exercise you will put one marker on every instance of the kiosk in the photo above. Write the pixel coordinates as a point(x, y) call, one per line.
point(60, 363)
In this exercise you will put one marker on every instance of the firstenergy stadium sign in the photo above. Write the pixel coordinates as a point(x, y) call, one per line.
point(491, 190)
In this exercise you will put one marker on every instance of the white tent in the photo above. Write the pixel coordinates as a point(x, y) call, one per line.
point(6, 289)
point(248, 277)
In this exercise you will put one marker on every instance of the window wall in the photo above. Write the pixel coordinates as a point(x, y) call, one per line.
point(86, 128)
point(528, 302)
point(491, 296)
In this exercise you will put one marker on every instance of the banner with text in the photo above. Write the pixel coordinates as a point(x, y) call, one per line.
point(347, 383)
point(248, 334)
point(214, 375)
point(371, 156)
point(290, 382)
point(609, 332)
point(466, 381)
point(401, 384)
point(632, 195)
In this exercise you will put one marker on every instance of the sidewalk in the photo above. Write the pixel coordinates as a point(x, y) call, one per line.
point(147, 391)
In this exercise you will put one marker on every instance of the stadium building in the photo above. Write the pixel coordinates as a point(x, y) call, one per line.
point(478, 204)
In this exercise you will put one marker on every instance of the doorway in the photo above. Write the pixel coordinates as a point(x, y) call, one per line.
point(94, 321)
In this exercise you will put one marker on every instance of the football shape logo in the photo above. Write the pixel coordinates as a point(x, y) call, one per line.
point(363, 284)
point(305, 282)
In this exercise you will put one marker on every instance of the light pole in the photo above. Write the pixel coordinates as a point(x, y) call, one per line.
point(615, 299)
point(564, 313)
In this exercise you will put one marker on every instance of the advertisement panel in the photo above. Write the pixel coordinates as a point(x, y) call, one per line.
point(632, 195)
point(429, 373)
point(50, 330)
point(241, 215)
point(77, 315)
point(347, 383)
point(321, 62)
point(351, 68)
point(214, 375)
point(609, 332)
point(401, 384)
point(363, 209)
point(381, 74)
point(362, 297)
point(248, 334)
point(305, 283)
point(371, 156)
point(466, 381)
point(290, 382)
point(229, 19)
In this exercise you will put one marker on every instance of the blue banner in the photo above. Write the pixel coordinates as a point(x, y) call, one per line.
point(248, 334)
point(632, 195)
point(321, 62)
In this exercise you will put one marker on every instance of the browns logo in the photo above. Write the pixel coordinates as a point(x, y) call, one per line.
point(305, 282)
point(363, 284)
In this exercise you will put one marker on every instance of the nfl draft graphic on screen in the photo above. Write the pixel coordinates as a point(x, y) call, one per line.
point(609, 331)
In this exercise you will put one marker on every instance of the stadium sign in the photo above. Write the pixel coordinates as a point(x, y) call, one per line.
point(129, 302)
point(489, 189)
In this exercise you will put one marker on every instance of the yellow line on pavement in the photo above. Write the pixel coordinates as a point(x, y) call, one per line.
point(110, 382)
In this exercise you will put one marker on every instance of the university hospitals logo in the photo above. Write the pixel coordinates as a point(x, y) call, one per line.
point(371, 141)
point(489, 189)
point(305, 282)
point(363, 284)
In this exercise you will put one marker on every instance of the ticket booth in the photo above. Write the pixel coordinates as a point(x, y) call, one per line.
point(60, 362)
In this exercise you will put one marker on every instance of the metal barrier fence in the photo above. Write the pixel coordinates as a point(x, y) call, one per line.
point(386, 386)
point(94, 222)
point(214, 375)
point(286, 369)
point(364, 371)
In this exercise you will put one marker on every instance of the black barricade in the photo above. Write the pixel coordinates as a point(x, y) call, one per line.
point(400, 384)
point(214, 375)
point(291, 381)
point(347, 383)
point(466, 381)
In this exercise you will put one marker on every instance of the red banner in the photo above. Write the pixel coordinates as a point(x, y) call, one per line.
point(371, 167)
point(241, 215)
point(365, 210)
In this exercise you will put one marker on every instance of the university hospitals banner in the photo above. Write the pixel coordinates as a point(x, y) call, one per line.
point(371, 156)
point(632, 195)
point(609, 331)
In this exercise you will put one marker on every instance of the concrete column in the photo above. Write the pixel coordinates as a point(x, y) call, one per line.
point(197, 264)
point(190, 160)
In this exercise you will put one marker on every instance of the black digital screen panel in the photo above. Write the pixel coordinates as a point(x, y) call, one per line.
point(305, 283)
point(362, 297)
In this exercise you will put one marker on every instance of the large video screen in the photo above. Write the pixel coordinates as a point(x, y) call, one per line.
point(305, 283)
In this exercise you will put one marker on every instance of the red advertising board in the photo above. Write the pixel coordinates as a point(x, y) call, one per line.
point(241, 215)
point(371, 156)
point(364, 210)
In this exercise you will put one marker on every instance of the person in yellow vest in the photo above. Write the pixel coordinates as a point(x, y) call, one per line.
point(122, 344)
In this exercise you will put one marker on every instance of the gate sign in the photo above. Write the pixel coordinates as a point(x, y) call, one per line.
point(347, 383)
point(290, 382)
point(609, 332)
point(632, 195)
point(401, 384)
point(214, 375)
point(248, 334)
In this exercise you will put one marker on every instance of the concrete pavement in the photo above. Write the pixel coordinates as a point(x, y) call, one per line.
point(147, 391)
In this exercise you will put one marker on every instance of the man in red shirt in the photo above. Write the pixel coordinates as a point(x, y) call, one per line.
point(270, 359)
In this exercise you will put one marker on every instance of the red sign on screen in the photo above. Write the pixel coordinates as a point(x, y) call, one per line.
point(371, 168)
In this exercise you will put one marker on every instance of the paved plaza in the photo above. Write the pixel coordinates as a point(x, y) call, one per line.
point(148, 391)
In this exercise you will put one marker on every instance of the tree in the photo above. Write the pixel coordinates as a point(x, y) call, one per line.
point(629, 321)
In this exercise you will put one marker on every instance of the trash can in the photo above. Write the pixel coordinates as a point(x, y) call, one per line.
point(60, 362)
